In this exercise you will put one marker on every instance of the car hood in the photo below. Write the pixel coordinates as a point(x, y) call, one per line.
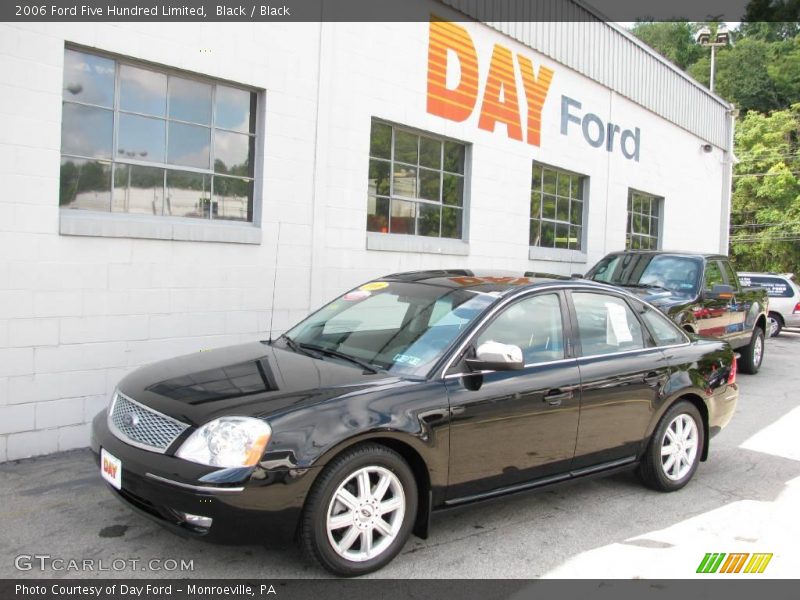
point(254, 379)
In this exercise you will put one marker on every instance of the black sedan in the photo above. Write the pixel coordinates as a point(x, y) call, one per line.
point(408, 395)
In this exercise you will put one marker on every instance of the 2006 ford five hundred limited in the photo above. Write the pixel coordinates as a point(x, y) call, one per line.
point(407, 395)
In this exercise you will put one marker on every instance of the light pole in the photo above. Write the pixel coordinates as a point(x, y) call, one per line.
point(722, 38)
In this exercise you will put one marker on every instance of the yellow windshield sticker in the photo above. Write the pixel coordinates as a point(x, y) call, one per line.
point(374, 286)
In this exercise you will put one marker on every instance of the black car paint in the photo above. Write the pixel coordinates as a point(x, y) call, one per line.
point(441, 424)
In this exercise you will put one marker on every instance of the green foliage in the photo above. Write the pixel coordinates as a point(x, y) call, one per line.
point(766, 193)
point(672, 39)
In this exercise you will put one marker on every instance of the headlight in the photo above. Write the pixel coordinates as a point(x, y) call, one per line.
point(227, 442)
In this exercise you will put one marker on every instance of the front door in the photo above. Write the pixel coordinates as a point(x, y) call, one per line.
point(510, 427)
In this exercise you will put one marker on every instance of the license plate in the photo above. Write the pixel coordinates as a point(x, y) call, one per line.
point(111, 468)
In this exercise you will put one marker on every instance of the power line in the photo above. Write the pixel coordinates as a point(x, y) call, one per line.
point(766, 174)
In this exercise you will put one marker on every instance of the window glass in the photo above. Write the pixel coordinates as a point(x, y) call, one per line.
point(235, 109)
point(415, 183)
point(556, 219)
point(401, 327)
point(138, 189)
point(533, 324)
point(88, 79)
point(142, 91)
point(189, 145)
point(730, 275)
point(85, 184)
point(664, 331)
point(644, 211)
point(139, 175)
point(713, 275)
point(189, 100)
point(606, 324)
point(141, 138)
point(86, 131)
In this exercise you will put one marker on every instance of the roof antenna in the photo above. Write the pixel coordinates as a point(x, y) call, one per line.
point(274, 282)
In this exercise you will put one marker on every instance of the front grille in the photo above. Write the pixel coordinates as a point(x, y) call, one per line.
point(140, 426)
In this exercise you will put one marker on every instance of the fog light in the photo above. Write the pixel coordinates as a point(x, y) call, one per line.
point(197, 520)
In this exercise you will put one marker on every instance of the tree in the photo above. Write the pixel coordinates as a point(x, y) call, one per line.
point(672, 39)
point(765, 219)
point(742, 75)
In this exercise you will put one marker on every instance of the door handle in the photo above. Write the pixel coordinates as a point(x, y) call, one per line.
point(554, 397)
point(653, 378)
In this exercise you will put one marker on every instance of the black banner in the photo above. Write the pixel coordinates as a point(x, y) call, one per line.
point(395, 10)
point(734, 588)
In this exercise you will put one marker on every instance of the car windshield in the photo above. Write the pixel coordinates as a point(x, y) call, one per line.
point(403, 328)
point(677, 274)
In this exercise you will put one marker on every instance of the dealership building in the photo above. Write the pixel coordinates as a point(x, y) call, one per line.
point(175, 187)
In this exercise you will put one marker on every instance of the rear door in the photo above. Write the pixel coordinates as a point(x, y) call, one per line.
point(621, 374)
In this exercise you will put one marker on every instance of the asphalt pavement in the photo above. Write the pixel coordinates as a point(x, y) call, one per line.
point(743, 499)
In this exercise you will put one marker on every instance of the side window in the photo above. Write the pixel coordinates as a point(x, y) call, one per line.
point(713, 275)
point(534, 324)
point(730, 274)
point(606, 324)
point(664, 331)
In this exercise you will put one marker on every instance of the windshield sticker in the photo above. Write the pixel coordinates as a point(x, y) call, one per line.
point(617, 330)
point(374, 286)
point(356, 295)
point(406, 359)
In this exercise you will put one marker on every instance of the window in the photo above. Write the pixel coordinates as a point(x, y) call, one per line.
point(606, 324)
point(534, 325)
point(416, 183)
point(141, 140)
point(713, 275)
point(730, 275)
point(644, 214)
point(664, 331)
point(556, 208)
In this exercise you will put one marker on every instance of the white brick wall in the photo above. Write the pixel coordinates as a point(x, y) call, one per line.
point(79, 313)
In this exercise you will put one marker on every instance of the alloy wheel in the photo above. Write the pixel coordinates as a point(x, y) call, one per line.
point(679, 447)
point(365, 513)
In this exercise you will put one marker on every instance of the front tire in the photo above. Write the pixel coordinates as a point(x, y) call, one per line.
point(753, 353)
point(360, 511)
point(675, 448)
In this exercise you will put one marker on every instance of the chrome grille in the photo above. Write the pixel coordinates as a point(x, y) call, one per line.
point(143, 427)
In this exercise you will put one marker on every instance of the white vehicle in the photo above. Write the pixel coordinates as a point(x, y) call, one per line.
point(784, 298)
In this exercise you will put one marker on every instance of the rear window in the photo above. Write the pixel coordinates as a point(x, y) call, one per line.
point(777, 287)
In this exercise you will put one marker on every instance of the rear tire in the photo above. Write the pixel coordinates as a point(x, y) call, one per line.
point(674, 450)
point(360, 511)
point(774, 324)
point(753, 353)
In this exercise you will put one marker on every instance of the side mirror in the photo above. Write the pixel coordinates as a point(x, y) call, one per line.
point(577, 276)
point(720, 292)
point(494, 356)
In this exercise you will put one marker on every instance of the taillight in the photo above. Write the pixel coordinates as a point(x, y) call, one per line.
point(732, 374)
point(796, 308)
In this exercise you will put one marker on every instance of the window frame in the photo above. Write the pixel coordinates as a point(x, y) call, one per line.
point(658, 217)
point(76, 221)
point(466, 175)
point(584, 199)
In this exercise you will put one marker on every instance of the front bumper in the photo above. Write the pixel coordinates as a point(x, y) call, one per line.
point(262, 506)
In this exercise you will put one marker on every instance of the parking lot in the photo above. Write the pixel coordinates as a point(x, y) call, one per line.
point(744, 499)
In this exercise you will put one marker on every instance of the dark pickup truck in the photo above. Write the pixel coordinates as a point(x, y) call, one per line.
point(699, 292)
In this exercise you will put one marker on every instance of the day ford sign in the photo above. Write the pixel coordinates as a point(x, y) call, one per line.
point(454, 79)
